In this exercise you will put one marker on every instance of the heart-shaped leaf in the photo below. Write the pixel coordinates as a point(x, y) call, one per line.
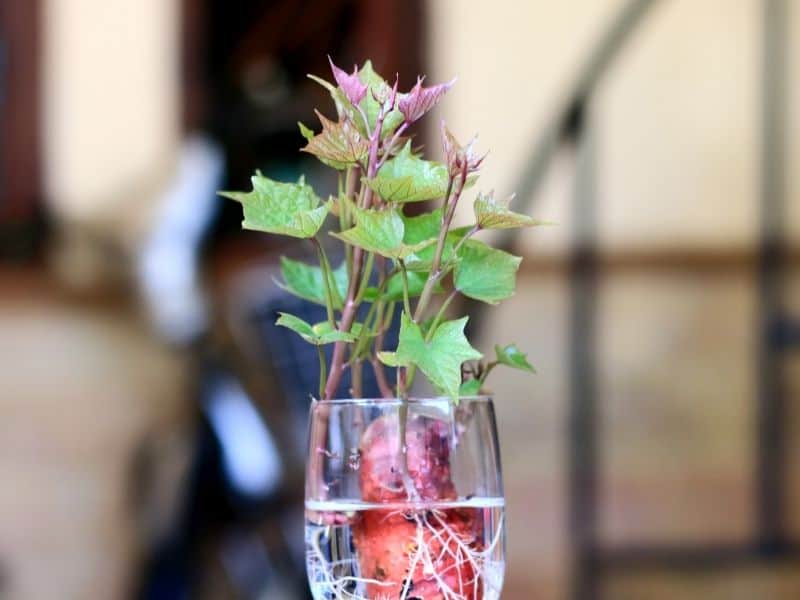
point(393, 290)
point(513, 357)
point(319, 334)
point(422, 227)
point(440, 358)
point(307, 282)
point(485, 273)
point(350, 84)
point(495, 214)
point(408, 178)
point(422, 260)
point(420, 99)
point(471, 387)
point(381, 232)
point(340, 145)
point(291, 209)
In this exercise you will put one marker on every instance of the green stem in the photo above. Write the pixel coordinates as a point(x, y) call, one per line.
point(412, 370)
point(326, 277)
point(389, 316)
point(365, 275)
point(400, 384)
point(402, 421)
point(369, 325)
point(406, 299)
point(439, 315)
point(377, 366)
point(469, 234)
point(331, 280)
point(487, 370)
point(377, 306)
point(447, 219)
point(323, 375)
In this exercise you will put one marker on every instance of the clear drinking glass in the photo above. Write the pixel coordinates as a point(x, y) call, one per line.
point(386, 524)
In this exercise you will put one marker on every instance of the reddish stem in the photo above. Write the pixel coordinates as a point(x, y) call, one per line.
point(351, 306)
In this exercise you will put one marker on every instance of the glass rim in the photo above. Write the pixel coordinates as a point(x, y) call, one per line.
point(398, 401)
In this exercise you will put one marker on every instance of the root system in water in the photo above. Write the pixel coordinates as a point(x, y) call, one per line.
point(388, 546)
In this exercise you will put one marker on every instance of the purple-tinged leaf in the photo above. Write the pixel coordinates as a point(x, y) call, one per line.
point(495, 214)
point(420, 99)
point(339, 145)
point(352, 86)
point(458, 157)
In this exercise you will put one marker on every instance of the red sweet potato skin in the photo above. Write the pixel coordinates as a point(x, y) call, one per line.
point(428, 461)
point(387, 540)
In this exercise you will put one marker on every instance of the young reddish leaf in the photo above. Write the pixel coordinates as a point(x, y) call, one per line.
point(352, 86)
point(420, 99)
point(495, 214)
point(339, 145)
point(459, 157)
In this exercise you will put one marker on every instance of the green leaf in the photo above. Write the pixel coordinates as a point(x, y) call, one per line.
point(485, 273)
point(343, 106)
point(440, 358)
point(471, 387)
point(307, 282)
point(408, 178)
point(381, 232)
point(422, 259)
point(394, 287)
point(495, 214)
point(305, 131)
point(319, 334)
point(393, 291)
point(425, 228)
point(389, 359)
point(377, 87)
point(340, 145)
point(422, 227)
point(284, 208)
point(513, 357)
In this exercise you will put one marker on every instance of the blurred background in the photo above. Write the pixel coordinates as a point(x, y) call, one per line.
point(152, 420)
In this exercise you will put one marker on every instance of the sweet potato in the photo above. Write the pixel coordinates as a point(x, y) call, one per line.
point(389, 541)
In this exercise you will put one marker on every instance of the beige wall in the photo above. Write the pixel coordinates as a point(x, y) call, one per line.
point(110, 104)
point(677, 118)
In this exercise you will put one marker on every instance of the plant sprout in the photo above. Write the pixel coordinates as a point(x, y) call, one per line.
point(416, 265)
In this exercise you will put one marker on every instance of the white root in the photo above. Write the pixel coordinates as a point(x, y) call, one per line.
point(341, 580)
